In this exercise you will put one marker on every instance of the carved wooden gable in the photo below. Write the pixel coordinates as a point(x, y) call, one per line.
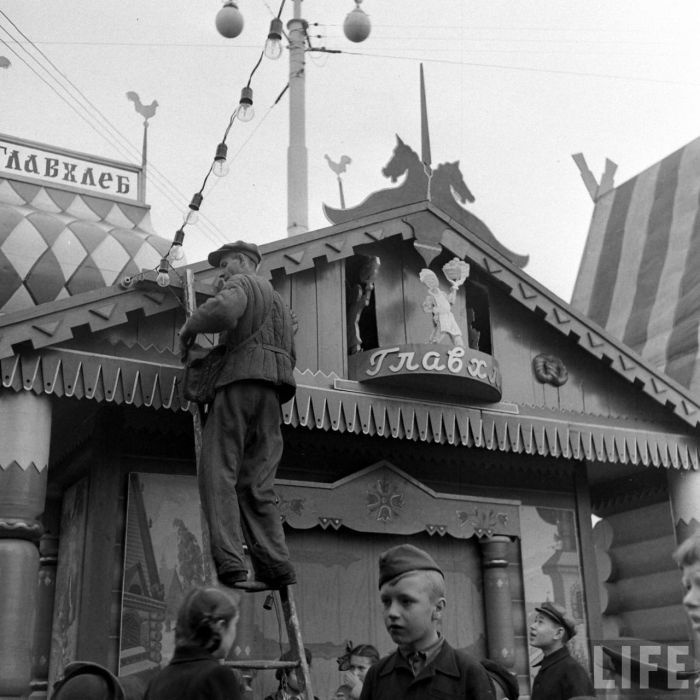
point(383, 498)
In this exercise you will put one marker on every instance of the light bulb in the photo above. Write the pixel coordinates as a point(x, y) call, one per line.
point(163, 277)
point(245, 107)
point(191, 214)
point(273, 45)
point(357, 25)
point(176, 253)
point(190, 217)
point(229, 20)
point(220, 166)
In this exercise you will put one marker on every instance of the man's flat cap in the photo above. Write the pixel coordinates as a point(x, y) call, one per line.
point(85, 680)
point(559, 616)
point(507, 681)
point(249, 249)
point(402, 559)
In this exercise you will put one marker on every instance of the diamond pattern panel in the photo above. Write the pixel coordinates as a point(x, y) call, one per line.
point(85, 278)
point(8, 194)
point(54, 244)
point(90, 235)
point(45, 280)
point(23, 247)
point(19, 301)
point(69, 252)
point(110, 258)
point(25, 190)
point(128, 239)
point(9, 218)
point(10, 281)
point(48, 226)
point(147, 256)
point(43, 202)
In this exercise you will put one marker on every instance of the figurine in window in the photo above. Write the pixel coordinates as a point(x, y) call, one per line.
point(358, 299)
point(439, 304)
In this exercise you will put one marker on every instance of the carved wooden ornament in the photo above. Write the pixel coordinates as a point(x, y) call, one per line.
point(384, 498)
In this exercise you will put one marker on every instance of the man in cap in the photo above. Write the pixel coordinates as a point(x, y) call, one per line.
point(560, 676)
point(412, 591)
point(242, 438)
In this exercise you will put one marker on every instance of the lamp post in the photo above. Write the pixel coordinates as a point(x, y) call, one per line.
point(356, 27)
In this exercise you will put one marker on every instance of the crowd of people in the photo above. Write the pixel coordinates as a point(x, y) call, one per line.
point(413, 598)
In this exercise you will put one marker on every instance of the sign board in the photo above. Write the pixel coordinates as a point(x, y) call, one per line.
point(45, 165)
point(441, 369)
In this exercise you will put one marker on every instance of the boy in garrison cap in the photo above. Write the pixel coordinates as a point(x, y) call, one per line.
point(242, 439)
point(412, 592)
point(560, 676)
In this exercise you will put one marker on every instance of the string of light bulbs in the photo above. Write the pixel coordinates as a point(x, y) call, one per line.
point(229, 23)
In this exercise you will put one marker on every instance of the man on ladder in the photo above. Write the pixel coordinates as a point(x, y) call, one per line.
point(242, 438)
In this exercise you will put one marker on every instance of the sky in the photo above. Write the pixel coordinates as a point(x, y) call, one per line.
point(514, 88)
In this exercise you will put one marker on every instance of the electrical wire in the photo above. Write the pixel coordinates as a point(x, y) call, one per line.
point(525, 69)
point(89, 118)
point(200, 193)
point(259, 123)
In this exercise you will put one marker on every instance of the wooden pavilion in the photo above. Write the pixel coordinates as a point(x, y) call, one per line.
point(491, 455)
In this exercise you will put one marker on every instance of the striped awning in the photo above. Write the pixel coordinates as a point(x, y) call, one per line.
point(639, 276)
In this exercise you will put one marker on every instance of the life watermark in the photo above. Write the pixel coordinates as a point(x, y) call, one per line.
point(631, 665)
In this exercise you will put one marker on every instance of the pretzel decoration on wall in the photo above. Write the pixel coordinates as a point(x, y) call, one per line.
point(549, 369)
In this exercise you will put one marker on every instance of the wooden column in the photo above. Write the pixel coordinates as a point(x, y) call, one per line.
point(497, 599)
point(48, 561)
point(684, 490)
point(100, 598)
point(25, 435)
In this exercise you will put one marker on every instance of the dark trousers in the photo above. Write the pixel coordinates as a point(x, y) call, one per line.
point(241, 449)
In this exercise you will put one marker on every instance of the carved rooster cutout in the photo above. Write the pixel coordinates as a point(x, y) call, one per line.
point(146, 111)
point(341, 167)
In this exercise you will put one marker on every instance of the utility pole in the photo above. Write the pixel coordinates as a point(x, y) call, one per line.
point(297, 156)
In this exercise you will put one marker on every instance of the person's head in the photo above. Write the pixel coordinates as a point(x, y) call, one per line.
point(235, 259)
point(428, 278)
point(412, 592)
point(361, 658)
point(83, 680)
point(207, 620)
point(687, 556)
point(550, 628)
point(287, 677)
point(344, 692)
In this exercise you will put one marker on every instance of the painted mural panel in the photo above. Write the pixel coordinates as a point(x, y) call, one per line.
point(165, 554)
point(64, 637)
point(552, 570)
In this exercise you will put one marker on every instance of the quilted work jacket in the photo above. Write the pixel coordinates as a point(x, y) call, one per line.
point(256, 328)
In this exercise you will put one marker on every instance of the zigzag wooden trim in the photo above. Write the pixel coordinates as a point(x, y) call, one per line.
point(24, 468)
point(96, 377)
point(58, 325)
point(319, 408)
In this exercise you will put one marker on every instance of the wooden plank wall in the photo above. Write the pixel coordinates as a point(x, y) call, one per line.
point(317, 298)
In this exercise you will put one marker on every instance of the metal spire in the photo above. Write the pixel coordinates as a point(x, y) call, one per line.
point(424, 133)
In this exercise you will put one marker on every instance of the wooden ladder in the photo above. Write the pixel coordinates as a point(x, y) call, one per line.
point(296, 643)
